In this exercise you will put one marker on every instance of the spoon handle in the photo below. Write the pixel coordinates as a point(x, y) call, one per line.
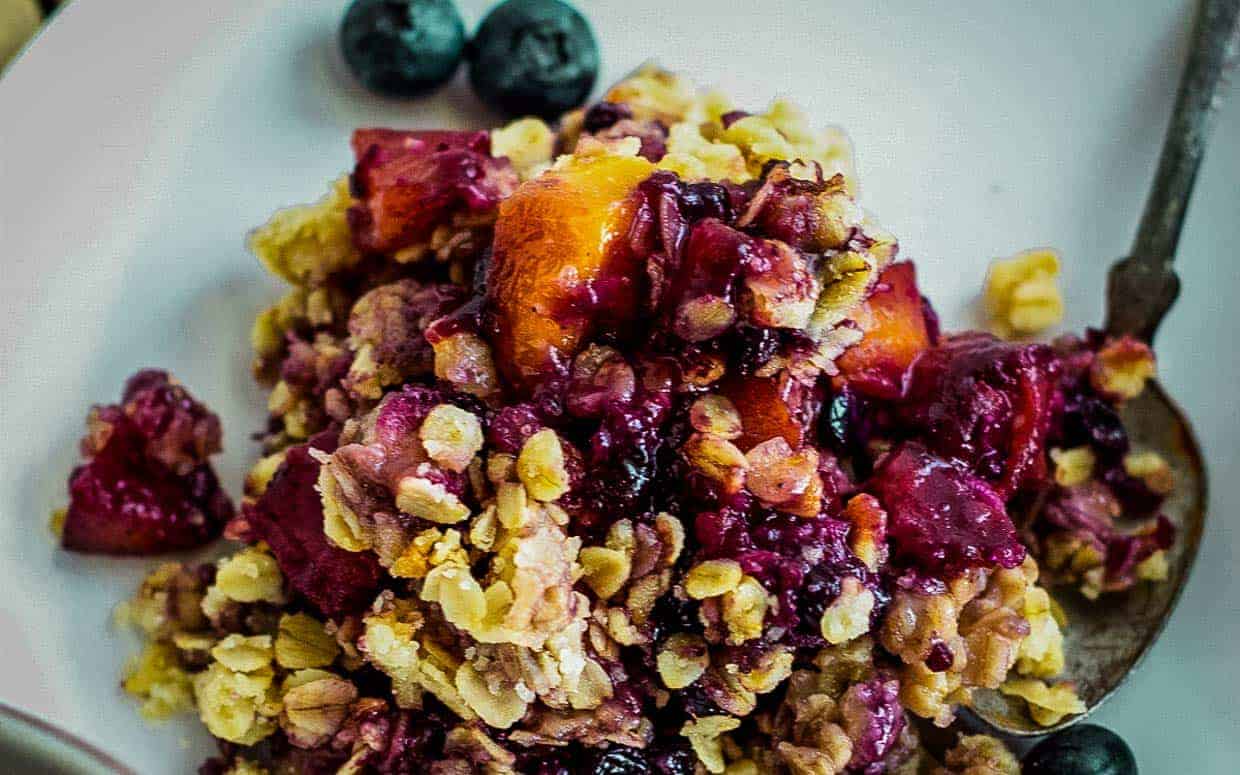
point(1143, 286)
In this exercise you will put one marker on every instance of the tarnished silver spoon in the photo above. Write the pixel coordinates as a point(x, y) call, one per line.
point(1107, 638)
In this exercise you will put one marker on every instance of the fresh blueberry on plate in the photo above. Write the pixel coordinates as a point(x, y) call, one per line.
point(1084, 749)
point(402, 48)
point(533, 57)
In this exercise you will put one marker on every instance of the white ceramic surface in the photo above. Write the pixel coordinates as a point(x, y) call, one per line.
point(139, 140)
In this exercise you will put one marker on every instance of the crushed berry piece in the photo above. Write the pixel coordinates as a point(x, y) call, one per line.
point(988, 404)
point(874, 719)
point(942, 519)
point(289, 517)
point(511, 426)
point(732, 116)
point(940, 659)
point(146, 486)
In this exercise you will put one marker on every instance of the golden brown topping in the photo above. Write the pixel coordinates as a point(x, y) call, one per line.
point(302, 641)
point(1021, 295)
point(1073, 466)
point(1048, 705)
point(1122, 368)
point(451, 436)
point(541, 466)
point(429, 500)
point(848, 616)
point(717, 459)
point(712, 578)
point(682, 660)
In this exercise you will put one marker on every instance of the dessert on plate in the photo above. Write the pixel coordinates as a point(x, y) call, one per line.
point(623, 445)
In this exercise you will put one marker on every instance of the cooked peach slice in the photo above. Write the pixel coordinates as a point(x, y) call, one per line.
point(893, 324)
point(770, 407)
point(561, 263)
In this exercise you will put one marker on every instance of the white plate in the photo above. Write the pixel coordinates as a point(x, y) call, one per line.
point(139, 140)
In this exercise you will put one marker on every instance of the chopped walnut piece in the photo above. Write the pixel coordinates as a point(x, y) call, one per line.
point(785, 479)
point(703, 734)
point(541, 466)
point(1048, 704)
point(716, 415)
point(1122, 367)
point(451, 436)
point(429, 500)
point(979, 755)
point(1073, 466)
point(302, 642)
point(718, 459)
point(712, 578)
point(682, 659)
point(1021, 295)
point(848, 616)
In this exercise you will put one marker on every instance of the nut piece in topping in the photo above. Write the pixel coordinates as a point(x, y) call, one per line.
point(527, 142)
point(1152, 469)
point(784, 479)
point(451, 436)
point(315, 704)
point(1122, 368)
point(604, 570)
point(541, 466)
point(1021, 295)
point(302, 641)
point(682, 659)
point(716, 415)
point(744, 609)
point(980, 755)
point(429, 500)
point(500, 707)
point(848, 616)
point(1073, 466)
point(717, 459)
point(712, 578)
point(704, 735)
point(1048, 704)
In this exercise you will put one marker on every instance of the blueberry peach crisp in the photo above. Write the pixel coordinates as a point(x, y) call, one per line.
point(627, 445)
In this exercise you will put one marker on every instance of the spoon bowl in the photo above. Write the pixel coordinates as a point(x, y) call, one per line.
point(1107, 638)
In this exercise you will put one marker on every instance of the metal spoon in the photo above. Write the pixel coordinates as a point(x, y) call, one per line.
point(1107, 638)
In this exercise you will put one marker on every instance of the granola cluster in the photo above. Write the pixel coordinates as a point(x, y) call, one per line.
point(628, 446)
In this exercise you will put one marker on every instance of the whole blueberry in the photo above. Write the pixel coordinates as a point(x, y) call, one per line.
point(621, 760)
point(533, 57)
point(1084, 749)
point(402, 48)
